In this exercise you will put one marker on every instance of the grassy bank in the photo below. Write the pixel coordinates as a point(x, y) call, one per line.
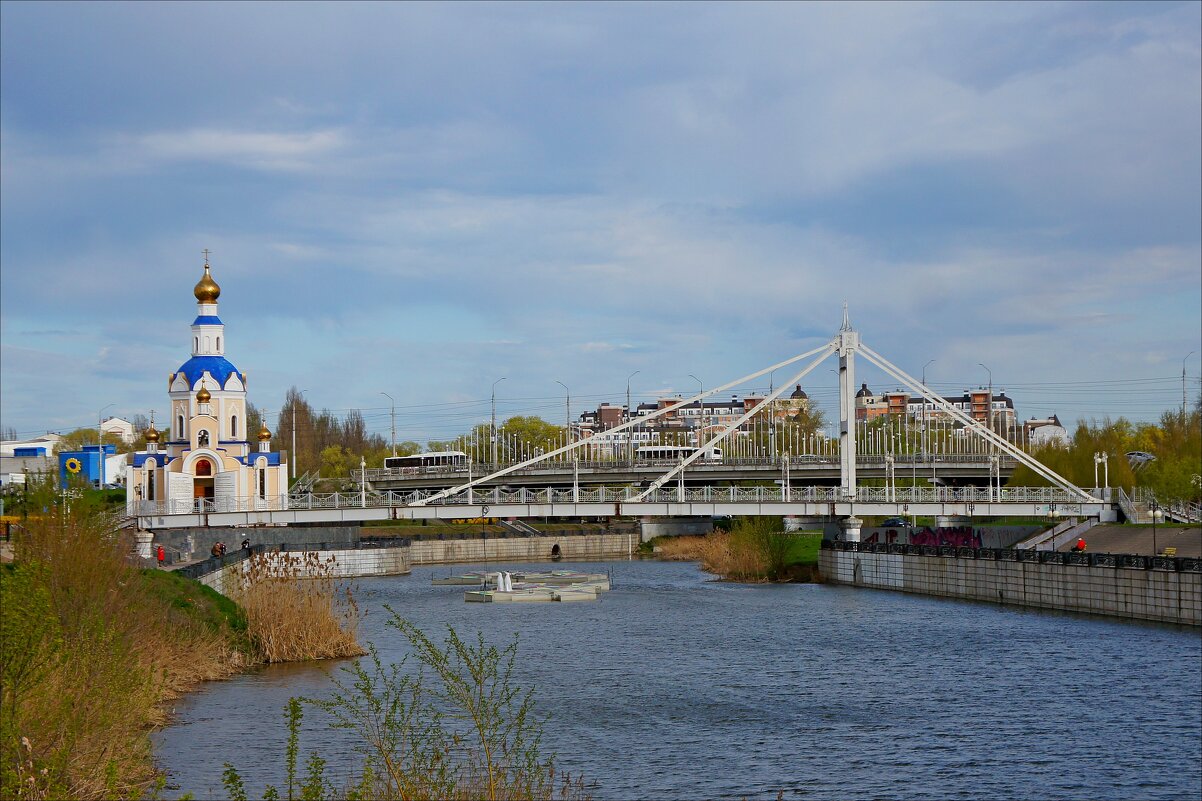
point(92, 647)
point(755, 549)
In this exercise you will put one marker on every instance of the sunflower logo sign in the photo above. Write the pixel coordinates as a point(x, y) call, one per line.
point(73, 465)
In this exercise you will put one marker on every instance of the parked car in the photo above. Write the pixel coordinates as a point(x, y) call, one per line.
point(896, 522)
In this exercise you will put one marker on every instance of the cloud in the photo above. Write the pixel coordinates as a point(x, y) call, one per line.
point(433, 195)
point(258, 150)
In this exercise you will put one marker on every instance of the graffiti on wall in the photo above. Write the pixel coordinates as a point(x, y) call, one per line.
point(956, 536)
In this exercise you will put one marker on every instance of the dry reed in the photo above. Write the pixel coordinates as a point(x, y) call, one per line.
point(296, 610)
point(721, 553)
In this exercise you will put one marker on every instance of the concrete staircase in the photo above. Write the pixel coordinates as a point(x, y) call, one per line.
point(521, 528)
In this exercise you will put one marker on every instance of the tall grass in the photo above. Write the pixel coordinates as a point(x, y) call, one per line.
point(755, 549)
point(91, 650)
point(295, 608)
point(448, 722)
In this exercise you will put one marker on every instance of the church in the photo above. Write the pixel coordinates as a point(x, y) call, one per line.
point(207, 461)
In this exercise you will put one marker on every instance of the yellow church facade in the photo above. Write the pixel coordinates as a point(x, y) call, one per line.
point(207, 462)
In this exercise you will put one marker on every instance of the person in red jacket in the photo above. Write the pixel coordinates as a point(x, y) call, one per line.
point(161, 553)
point(1080, 546)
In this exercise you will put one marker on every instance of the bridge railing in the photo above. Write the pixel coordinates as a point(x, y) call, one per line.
point(1049, 496)
point(798, 461)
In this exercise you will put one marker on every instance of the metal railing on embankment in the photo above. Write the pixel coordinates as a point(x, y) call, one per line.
point(1177, 564)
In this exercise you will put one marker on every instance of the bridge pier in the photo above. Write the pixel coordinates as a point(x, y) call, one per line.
point(804, 523)
point(851, 528)
point(952, 521)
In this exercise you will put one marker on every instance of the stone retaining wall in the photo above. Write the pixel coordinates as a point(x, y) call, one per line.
point(348, 563)
point(1144, 594)
point(572, 547)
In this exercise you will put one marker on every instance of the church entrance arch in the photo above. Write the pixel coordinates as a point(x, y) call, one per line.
point(202, 487)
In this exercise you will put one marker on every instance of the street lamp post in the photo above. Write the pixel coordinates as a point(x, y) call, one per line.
point(100, 442)
point(386, 395)
point(567, 419)
point(1155, 512)
point(701, 408)
point(926, 435)
point(494, 421)
point(294, 459)
point(989, 418)
point(630, 416)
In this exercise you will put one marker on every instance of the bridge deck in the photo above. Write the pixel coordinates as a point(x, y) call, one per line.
point(701, 502)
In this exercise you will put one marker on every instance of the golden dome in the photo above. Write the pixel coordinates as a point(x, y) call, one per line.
point(203, 396)
point(207, 290)
point(152, 435)
point(264, 434)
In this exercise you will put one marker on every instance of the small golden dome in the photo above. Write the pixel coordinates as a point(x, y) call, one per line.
point(207, 290)
point(203, 396)
point(264, 434)
point(152, 435)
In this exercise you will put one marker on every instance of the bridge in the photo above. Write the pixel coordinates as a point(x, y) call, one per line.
point(671, 494)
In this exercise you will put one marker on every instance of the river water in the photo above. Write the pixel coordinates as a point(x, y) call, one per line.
point(676, 686)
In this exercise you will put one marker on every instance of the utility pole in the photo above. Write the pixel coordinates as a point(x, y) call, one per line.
point(494, 422)
point(1183, 361)
point(567, 414)
point(293, 455)
point(386, 395)
point(100, 442)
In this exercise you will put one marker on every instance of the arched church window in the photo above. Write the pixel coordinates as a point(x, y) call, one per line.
point(218, 343)
point(196, 344)
point(149, 485)
point(262, 483)
point(179, 427)
point(204, 468)
point(234, 427)
point(202, 439)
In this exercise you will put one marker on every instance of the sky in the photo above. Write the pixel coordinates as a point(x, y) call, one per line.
point(421, 199)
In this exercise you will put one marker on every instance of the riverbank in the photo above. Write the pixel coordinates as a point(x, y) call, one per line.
point(96, 649)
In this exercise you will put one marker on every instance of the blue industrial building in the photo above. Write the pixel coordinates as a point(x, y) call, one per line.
point(84, 464)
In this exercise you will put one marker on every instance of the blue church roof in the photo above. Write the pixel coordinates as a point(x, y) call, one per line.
point(273, 458)
point(218, 366)
point(140, 458)
point(207, 319)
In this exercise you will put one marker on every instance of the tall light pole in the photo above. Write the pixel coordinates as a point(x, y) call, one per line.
point(100, 442)
point(567, 418)
point(294, 459)
point(386, 395)
point(494, 421)
point(926, 439)
point(1183, 361)
point(990, 417)
point(701, 410)
point(630, 416)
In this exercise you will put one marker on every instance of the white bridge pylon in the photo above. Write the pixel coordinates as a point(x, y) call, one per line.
point(846, 344)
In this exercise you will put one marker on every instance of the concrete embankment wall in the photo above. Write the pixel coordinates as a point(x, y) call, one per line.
point(1173, 596)
point(185, 544)
point(222, 574)
point(389, 560)
point(572, 547)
